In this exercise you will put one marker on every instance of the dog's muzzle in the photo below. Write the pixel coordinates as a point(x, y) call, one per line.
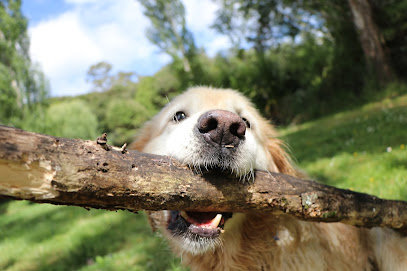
point(221, 132)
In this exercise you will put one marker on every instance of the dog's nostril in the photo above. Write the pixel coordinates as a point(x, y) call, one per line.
point(238, 129)
point(208, 124)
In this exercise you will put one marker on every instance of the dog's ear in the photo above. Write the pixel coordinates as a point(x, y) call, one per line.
point(280, 157)
point(142, 138)
point(277, 150)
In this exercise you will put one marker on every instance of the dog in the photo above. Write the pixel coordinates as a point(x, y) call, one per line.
point(219, 129)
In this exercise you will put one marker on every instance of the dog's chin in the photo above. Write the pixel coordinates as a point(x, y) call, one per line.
point(239, 169)
point(197, 232)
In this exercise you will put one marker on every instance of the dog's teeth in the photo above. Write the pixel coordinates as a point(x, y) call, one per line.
point(215, 222)
point(229, 146)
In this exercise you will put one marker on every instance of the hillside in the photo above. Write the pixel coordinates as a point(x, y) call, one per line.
point(362, 149)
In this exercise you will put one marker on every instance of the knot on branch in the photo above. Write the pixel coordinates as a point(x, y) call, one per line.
point(102, 141)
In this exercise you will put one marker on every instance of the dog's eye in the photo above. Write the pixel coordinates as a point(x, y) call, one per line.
point(248, 125)
point(179, 116)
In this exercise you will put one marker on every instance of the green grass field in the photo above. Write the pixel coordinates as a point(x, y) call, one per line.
point(47, 237)
point(363, 150)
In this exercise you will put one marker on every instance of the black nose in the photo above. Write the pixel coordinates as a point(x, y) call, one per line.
point(222, 127)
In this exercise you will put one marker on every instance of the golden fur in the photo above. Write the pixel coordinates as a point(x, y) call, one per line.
point(258, 241)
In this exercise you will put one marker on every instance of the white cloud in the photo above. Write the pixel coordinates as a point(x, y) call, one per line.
point(108, 30)
point(200, 15)
point(217, 44)
point(114, 31)
point(62, 46)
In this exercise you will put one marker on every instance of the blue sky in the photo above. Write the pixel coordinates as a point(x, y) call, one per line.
point(68, 36)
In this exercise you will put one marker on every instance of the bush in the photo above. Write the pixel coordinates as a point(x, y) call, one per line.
point(72, 119)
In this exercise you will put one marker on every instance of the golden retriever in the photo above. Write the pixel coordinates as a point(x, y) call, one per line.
point(219, 129)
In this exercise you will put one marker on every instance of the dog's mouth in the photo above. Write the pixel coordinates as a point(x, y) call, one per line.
point(200, 226)
point(198, 232)
point(197, 224)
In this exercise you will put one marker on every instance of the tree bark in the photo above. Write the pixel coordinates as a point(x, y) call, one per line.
point(65, 171)
point(371, 40)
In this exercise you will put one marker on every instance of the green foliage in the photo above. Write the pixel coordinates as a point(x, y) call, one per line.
point(122, 118)
point(72, 119)
point(23, 87)
point(148, 93)
point(169, 31)
point(283, 81)
point(114, 106)
point(322, 62)
point(8, 96)
point(123, 113)
point(154, 92)
point(263, 23)
point(34, 119)
point(297, 55)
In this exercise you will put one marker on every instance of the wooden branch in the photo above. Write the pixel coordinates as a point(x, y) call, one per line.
point(56, 170)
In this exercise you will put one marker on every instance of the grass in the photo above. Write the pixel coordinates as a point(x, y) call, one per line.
point(47, 237)
point(363, 150)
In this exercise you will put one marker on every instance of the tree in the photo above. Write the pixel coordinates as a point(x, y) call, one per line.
point(350, 23)
point(99, 75)
point(169, 31)
point(371, 40)
point(23, 87)
point(274, 28)
point(390, 18)
point(264, 23)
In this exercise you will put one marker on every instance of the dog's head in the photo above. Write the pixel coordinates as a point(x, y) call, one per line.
point(210, 129)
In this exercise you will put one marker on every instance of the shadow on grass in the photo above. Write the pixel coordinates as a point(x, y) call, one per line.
point(129, 231)
point(72, 238)
point(399, 162)
point(3, 205)
point(53, 221)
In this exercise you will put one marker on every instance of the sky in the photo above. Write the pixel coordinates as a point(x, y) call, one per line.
point(68, 36)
